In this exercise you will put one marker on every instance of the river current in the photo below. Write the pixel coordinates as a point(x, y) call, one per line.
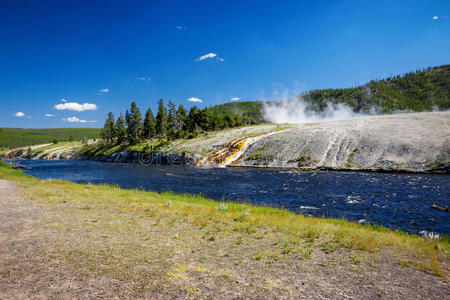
point(397, 201)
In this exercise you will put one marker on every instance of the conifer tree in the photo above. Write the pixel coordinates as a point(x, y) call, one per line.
point(108, 132)
point(134, 129)
point(149, 130)
point(195, 131)
point(194, 117)
point(127, 117)
point(181, 120)
point(121, 130)
point(171, 120)
point(161, 120)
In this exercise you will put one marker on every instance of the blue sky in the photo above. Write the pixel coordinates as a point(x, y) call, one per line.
point(108, 53)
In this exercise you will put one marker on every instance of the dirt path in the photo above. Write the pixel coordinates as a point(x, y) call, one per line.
point(30, 267)
point(59, 250)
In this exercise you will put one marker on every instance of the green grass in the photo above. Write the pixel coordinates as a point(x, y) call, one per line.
point(296, 234)
point(11, 138)
point(258, 155)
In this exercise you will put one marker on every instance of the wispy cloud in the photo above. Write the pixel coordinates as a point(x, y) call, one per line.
point(194, 99)
point(19, 114)
point(210, 56)
point(206, 56)
point(181, 27)
point(435, 17)
point(145, 78)
point(63, 100)
point(104, 91)
point(75, 106)
point(49, 115)
point(235, 99)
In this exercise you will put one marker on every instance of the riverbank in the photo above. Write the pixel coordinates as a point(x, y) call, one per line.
point(78, 240)
point(408, 142)
point(396, 201)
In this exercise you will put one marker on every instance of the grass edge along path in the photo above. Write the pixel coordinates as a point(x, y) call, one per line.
point(427, 255)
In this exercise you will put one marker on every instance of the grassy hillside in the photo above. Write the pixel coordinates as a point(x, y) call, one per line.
point(14, 137)
point(417, 91)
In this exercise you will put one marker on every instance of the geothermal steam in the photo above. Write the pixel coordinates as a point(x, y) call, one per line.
point(295, 110)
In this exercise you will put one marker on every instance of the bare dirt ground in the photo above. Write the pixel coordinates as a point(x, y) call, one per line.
point(59, 250)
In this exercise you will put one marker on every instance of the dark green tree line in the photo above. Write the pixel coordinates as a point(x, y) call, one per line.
point(169, 123)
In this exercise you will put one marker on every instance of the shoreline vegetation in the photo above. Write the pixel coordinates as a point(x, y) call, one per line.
point(123, 139)
point(173, 129)
point(284, 233)
point(367, 143)
point(200, 132)
point(422, 90)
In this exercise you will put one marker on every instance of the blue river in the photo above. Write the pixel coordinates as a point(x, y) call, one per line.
point(397, 201)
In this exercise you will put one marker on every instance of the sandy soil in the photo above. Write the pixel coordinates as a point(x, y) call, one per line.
point(58, 250)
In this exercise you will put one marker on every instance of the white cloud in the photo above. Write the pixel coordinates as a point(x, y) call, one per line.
point(209, 56)
point(76, 106)
point(235, 99)
point(76, 120)
point(63, 100)
point(145, 78)
point(194, 99)
point(73, 120)
point(181, 27)
point(435, 17)
point(49, 115)
point(19, 114)
point(104, 91)
point(206, 56)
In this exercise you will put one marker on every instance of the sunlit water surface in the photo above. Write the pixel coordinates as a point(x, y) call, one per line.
point(397, 201)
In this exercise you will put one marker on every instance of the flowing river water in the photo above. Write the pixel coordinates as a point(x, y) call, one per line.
point(397, 201)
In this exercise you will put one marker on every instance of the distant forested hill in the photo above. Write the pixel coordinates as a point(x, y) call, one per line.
point(15, 137)
point(249, 108)
point(421, 90)
point(417, 91)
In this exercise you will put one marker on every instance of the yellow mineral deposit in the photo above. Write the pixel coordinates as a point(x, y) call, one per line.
point(233, 152)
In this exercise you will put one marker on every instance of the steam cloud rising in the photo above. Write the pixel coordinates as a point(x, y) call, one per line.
point(295, 110)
